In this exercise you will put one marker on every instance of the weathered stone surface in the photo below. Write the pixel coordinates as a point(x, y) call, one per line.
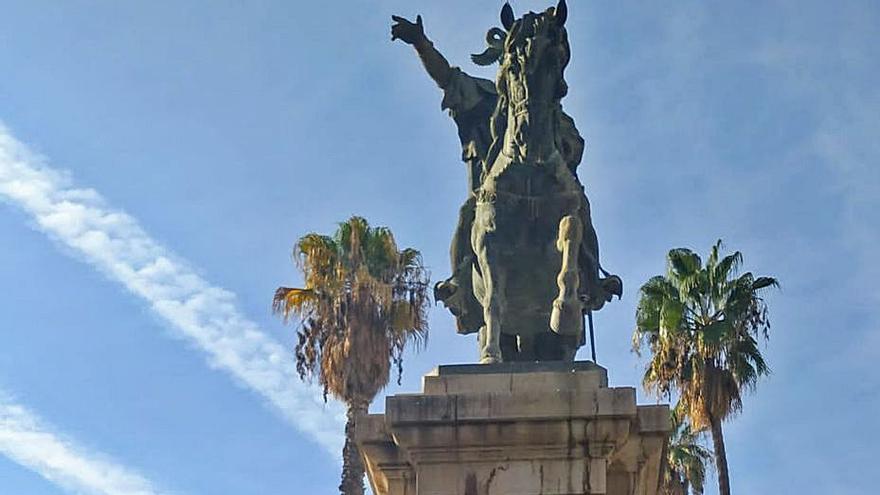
point(515, 429)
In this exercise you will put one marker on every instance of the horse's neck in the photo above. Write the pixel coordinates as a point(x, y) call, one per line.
point(530, 136)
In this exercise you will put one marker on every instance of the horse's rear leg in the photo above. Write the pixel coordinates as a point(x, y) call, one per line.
point(566, 318)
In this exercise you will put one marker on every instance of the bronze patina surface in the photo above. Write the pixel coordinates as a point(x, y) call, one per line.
point(525, 256)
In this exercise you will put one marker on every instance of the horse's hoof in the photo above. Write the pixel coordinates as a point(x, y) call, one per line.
point(490, 360)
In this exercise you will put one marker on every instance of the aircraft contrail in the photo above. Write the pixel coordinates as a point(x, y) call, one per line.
point(28, 441)
point(114, 243)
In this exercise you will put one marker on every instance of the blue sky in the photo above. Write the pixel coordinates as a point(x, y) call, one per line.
point(224, 131)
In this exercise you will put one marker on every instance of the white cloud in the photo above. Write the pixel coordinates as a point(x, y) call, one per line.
point(206, 315)
point(29, 442)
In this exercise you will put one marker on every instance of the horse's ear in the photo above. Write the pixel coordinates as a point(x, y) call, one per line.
point(561, 13)
point(507, 17)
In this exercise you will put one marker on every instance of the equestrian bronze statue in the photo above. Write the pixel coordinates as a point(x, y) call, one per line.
point(525, 257)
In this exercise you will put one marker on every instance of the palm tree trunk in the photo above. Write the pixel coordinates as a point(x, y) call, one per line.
point(720, 456)
point(352, 465)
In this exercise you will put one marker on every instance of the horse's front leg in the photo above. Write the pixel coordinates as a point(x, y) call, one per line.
point(566, 318)
point(493, 297)
point(493, 304)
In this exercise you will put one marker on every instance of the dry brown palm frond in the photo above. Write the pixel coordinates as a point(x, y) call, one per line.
point(288, 301)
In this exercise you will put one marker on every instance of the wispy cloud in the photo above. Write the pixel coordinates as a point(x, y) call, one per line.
point(25, 439)
point(114, 242)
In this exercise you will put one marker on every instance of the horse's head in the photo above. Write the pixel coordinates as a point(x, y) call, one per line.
point(530, 79)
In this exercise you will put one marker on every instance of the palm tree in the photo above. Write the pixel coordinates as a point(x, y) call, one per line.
point(702, 325)
point(361, 302)
point(686, 459)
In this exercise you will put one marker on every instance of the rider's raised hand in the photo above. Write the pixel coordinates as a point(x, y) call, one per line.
point(409, 32)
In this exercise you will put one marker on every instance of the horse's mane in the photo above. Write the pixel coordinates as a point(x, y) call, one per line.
point(498, 122)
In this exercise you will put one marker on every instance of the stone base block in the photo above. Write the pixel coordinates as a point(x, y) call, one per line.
point(515, 429)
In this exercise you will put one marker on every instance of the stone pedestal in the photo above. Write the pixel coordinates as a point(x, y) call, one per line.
point(515, 429)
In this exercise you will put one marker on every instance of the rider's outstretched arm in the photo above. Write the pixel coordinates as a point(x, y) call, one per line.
point(413, 33)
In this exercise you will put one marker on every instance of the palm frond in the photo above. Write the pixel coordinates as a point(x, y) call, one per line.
point(727, 266)
point(683, 263)
point(764, 282)
point(289, 301)
point(671, 316)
